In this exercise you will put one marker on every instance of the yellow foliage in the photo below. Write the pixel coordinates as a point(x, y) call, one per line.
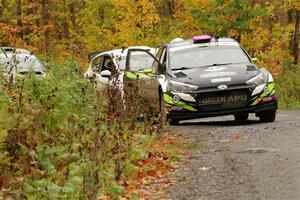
point(76, 28)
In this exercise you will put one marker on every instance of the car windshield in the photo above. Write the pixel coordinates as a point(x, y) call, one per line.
point(138, 61)
point(191, 56)
point(23, 62)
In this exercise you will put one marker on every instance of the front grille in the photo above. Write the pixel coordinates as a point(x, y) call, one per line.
point(223, 100)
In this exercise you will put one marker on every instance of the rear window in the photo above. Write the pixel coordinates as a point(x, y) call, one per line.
point(23, 62)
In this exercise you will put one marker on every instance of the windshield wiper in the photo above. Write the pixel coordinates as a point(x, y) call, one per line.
point(217, 64)
point(181, 68)
point(220, 64)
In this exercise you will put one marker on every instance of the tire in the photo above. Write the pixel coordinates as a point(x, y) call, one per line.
point(241, 117)
point(267, 116)
point(174, 122)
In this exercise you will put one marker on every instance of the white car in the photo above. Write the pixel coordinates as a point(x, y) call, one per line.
point(15, 62)
point(101, 69)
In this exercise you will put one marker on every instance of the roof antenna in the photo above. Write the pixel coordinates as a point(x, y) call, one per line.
point(123, 48)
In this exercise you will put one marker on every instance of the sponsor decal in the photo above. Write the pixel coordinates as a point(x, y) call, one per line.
point(222, 87)
point(176, 98)
point(222, 99)
point(217, 74)
point(219, 80)
point(177, 108)
point(214, 69)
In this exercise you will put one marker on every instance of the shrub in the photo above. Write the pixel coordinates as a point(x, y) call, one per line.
point(288, 88)
point(65, 139)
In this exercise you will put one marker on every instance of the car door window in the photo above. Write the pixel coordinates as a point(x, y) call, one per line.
point(158, 55)
point(96, 63)
point(140, 61)
point(164, 58)
point(147, 59)
point(107, 63)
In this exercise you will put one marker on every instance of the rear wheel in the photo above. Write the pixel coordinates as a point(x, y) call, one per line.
point(174, 122)
point(267, 116)
point(241, 117)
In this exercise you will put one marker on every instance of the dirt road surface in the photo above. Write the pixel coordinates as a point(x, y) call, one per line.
point(230, 161)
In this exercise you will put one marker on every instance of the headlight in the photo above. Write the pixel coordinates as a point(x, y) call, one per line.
point(257, 80)
point(270, 78)
point(181, 87)
point(261, 85)
point(259, 89)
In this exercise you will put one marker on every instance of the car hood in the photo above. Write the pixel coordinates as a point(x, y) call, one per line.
point(213, 76)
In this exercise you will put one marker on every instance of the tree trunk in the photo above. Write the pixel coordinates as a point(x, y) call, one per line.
point(19, 18)
point(72, 9)
point(2, 3)
point(282, 15)
point(45, 23)
point(171, 6)
point(65, 24)
point(296, 38)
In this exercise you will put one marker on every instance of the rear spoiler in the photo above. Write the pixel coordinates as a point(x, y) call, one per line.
point(93, 54)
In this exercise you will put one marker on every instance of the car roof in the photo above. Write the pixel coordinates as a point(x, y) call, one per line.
point(213, 41)
point(17, 50)
point(123, 52)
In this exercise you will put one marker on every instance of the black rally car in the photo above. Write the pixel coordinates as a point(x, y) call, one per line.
point(208, 76)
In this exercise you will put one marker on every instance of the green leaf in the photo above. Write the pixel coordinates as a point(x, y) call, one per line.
point(139, 154)
point(175, 159)
point(115, 190)
point(143, 139)
point(129, 168)
point(43, 183)
point(73, 184)
point(134, 196)
point(54, 191)
point(23, 149)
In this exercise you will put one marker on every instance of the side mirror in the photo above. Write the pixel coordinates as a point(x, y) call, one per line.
point(105, 73)
point(254, 59)
point(88, 75)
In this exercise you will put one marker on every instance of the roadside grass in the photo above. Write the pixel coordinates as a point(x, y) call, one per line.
point(62, 140)
point(288, 88)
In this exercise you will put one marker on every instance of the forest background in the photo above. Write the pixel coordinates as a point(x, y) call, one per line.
point(56, 29)
point(60, 140)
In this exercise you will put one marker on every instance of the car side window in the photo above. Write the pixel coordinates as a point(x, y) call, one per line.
point(108, 64)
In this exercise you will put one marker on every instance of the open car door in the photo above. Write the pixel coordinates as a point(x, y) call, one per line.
point(139, 69)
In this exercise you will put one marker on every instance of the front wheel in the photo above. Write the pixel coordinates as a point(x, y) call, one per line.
point(241, 117)
point(174, 122)
point(267, 116)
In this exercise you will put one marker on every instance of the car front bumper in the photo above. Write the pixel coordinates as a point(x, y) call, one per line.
point(191, 115)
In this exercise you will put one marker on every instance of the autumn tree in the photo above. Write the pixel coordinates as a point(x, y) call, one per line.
point(61, 28)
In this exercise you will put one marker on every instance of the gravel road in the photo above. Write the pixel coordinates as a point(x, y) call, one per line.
point(231, 161)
